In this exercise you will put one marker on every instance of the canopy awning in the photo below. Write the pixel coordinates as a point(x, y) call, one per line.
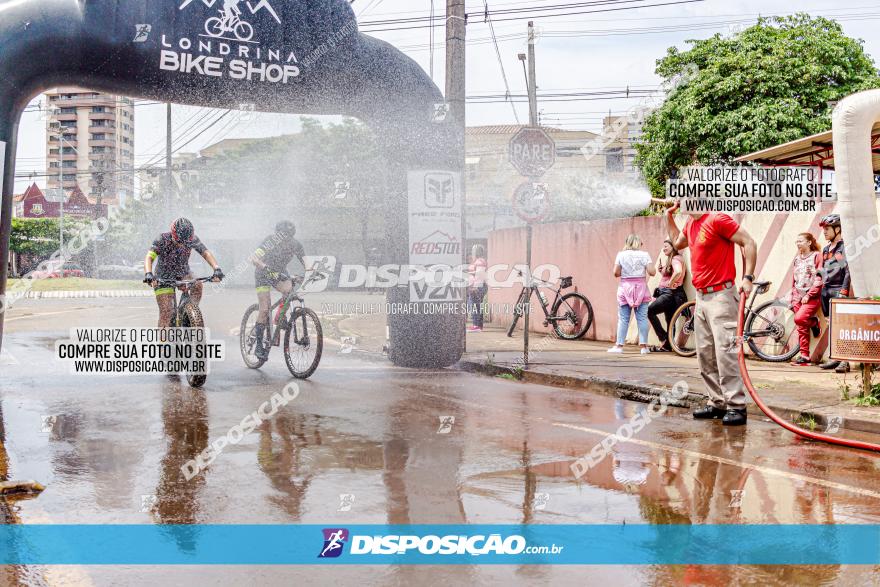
point(815, 150)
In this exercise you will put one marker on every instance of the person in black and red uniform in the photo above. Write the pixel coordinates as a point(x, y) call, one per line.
point(172, 249)
point(835, 275)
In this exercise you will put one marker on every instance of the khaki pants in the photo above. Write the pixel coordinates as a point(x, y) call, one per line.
point(717, 352)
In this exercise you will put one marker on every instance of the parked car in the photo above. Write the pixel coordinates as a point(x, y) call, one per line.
point(56, 271)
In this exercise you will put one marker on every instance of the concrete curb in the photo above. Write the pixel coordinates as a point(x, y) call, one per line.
point(646, 394)
point(122, 293)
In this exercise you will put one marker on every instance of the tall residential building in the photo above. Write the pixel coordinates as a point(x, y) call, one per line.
point(90, 143)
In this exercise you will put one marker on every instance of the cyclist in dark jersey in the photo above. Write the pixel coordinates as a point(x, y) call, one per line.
point(835, 276)
point(271, 259)
point(173, 249)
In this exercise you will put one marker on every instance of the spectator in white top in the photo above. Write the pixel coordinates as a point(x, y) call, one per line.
point(633, 266)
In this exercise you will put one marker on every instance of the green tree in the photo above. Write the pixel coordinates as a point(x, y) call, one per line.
point(767, 85)
point(38, 237)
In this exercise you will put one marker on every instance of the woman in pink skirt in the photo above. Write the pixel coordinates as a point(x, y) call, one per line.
point(633, 266)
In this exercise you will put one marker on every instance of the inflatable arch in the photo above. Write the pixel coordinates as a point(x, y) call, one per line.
point(852, 123)
point(296, 56)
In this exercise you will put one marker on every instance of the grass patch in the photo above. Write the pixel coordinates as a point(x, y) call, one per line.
point(509, 376)
point(806, 421)
point(80, 284)
point(845, 389)
point(866, 401)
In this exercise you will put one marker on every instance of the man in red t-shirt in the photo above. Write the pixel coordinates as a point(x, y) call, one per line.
point(712, 239)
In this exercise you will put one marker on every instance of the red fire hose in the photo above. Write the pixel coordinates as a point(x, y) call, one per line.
point(770, 414)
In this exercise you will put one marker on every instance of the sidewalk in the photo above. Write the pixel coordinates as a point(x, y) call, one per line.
point(104, 293)
point(799, 394)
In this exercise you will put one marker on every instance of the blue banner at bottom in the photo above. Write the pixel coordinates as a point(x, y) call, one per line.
point(440, 544)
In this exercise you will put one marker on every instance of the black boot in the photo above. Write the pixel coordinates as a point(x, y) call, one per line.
point(843, 367)
point(261, 351)
point(709, 413)
point(734, 418)
point(829, 365)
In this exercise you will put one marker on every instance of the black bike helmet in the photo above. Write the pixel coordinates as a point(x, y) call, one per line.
point(286, 228)
point(832, 220)
point(182, 231)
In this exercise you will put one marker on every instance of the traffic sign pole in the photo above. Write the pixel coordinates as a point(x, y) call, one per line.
point(528, 308)
point(532, 152)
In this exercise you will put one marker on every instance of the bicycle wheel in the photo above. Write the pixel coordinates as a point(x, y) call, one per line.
point(772, 333)
point(243, 31)
point(248, 339)
point(576, 313)
point(303, 353)
point(517, 312)
point(191, 317)
point(681, 334)
point(214, 26)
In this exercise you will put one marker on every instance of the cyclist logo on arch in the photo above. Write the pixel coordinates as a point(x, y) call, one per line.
point(229, 21)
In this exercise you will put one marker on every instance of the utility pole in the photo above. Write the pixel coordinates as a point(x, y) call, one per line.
point(533, 84)
point(56, 126)
point(169, 180)
point(99, 180)
point(61, 200)
point(532, 87)
point(456, 32)
point(455, 61)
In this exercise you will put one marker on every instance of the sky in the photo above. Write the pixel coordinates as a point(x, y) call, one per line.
point(599, 51)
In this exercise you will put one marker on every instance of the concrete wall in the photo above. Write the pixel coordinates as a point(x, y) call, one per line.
point(586, 250)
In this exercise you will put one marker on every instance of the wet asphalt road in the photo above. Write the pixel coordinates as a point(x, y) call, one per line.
point(362, 427)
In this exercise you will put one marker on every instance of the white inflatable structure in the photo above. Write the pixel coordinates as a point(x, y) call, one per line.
point(852, 122)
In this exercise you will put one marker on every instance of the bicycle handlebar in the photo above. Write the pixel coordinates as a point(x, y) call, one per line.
point(175, 283)
point(538, 279)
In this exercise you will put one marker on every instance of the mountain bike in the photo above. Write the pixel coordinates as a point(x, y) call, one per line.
point(571, 314)
point(303, 336)
point(769, 330)
point(187, 314)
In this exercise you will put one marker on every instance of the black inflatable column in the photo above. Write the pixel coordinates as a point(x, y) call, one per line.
point(8, 131)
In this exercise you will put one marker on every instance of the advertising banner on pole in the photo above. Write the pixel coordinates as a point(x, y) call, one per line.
point(435, 235)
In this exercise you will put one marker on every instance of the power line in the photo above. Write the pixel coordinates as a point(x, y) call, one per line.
point(500, 61)
point(133, 169)
point(181, 133)
point(200, 133)
point(684, 27)
point(532, 14)
point(503, 11)
point(431, 37)
point(119, 101)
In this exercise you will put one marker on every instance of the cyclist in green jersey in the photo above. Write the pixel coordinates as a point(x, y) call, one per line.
point(173, 249)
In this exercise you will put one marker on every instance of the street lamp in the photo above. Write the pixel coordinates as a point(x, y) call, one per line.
point(56, 125)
